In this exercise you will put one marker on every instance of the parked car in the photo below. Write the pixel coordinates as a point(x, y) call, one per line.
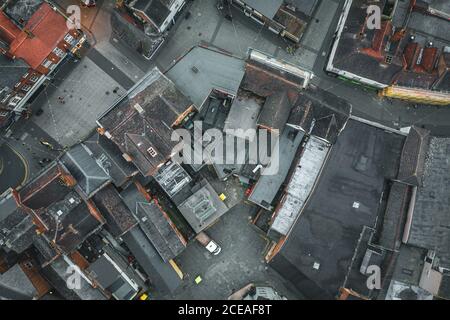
point(208, 243)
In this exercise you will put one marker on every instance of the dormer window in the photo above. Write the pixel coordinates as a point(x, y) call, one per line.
point(34, 78)
point(26, 88)
point(14, 101)
point(58, 52)
point(47, 63)
point(68, 38)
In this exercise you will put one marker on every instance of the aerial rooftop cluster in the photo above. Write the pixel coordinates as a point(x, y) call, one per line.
point(119, 211)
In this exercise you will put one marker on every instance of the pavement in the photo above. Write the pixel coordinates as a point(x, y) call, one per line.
point(329, 230)
point(91, 85)
point(13, 168)
point(239, 263)
point(83, 89)
point(207, 25)
point(76, 97)
point(25, 144)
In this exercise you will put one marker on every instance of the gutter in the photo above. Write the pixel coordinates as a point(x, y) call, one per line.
point(378, 125)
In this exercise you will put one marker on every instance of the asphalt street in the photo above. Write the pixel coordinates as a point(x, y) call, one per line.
point(109, 68)
point(83, 88)
point(13, 168)
point(112, 67)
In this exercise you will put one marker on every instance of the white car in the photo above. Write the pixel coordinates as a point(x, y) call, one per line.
point(213, 247)
point(208, 243)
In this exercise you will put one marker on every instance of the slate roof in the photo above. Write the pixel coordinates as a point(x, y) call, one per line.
point(17, 230)
point(14, 284)
point(110, 159)
point(268, 186)
point(69, 222)
point(275, 111)
point(84, 168)
point(57, 275)
point(394, 218)
point(62, 215)
point(140, 124)
point(320, 113)
point(119, 218)
point(162, 276)
point(135, 38)
point(163, 235)
point(430, 226)
point(413, 156)
point(388, 56)
point(155, 224)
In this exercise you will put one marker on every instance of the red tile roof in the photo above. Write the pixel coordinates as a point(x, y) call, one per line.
point(429, 58)
point(42, 33)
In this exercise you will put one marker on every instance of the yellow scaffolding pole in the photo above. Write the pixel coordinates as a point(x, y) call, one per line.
point(417, 95)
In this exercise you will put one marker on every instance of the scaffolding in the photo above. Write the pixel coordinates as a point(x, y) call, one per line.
point(417, 95)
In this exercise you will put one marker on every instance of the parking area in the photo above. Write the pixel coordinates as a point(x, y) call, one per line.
point(239, 263)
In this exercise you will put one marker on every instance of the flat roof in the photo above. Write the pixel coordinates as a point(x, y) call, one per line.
point(243, 115)
point(203, 207)
point(134, 37)
point(203, 69)
point(267, 8)
point(345, 199)
point(301, 184)
point(172, 178)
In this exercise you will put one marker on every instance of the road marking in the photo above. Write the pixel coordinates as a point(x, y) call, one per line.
point(25, 164)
